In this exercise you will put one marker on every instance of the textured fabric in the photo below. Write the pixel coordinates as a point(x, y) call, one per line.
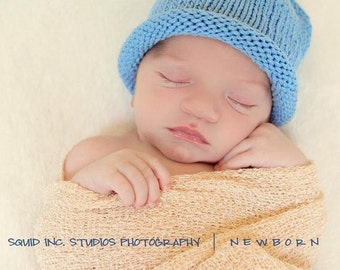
point(203, 212)
point(275, 34)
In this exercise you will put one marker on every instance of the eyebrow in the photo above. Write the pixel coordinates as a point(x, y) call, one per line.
point(251, 84)
point(169, 61)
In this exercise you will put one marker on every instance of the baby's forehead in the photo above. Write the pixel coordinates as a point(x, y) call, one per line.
point(160, 48)
point(204, 51)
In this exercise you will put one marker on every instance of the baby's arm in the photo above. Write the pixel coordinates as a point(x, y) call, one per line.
point(100, 164)
point(88, 151)
point(266, 147)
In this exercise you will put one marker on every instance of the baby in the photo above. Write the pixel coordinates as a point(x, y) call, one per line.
point(212, 80)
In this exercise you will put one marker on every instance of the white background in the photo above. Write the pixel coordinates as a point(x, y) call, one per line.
point(59, 84)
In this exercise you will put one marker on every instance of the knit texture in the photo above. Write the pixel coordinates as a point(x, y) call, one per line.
point(275, 34)
point(212, 208)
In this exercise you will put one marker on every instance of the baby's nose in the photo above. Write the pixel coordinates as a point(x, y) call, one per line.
point(202, 107)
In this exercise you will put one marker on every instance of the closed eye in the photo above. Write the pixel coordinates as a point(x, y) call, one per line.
point(173, 82)
point(241, 107)
point(236, 102)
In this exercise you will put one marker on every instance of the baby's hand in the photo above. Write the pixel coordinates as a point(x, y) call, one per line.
point(136, 177)
point(266, 147)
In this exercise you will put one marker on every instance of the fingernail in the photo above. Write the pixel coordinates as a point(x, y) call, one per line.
point(167, 187)
point(152, 205)
point(138, 206)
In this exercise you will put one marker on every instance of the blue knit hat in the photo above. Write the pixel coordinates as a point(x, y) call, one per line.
point(275, 34)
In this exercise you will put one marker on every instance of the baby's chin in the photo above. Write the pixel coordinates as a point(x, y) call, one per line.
point(183, 155)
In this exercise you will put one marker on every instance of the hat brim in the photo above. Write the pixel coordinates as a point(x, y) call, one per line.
point(260, 48)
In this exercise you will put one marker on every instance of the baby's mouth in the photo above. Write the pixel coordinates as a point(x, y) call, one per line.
point(188, 134)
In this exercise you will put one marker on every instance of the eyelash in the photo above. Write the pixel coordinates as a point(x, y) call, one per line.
point(237, 103)
point(175, 84)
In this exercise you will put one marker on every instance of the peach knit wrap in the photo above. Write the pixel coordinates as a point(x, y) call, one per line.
point(196, 225)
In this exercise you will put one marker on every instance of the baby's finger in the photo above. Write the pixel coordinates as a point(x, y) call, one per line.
point(123, 188)
point(137, 179)
point(160, 172)
point(154, 192)
point(152, 182)
point(246, 159)
point(241, 160)
point(242, 147)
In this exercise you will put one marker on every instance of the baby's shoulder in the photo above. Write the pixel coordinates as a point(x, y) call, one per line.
point(99, 145)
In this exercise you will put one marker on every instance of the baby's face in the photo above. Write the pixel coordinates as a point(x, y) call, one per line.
point(196, 98)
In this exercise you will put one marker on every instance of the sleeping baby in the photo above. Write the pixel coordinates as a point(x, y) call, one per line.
point(211, 82)
point(210, 86)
